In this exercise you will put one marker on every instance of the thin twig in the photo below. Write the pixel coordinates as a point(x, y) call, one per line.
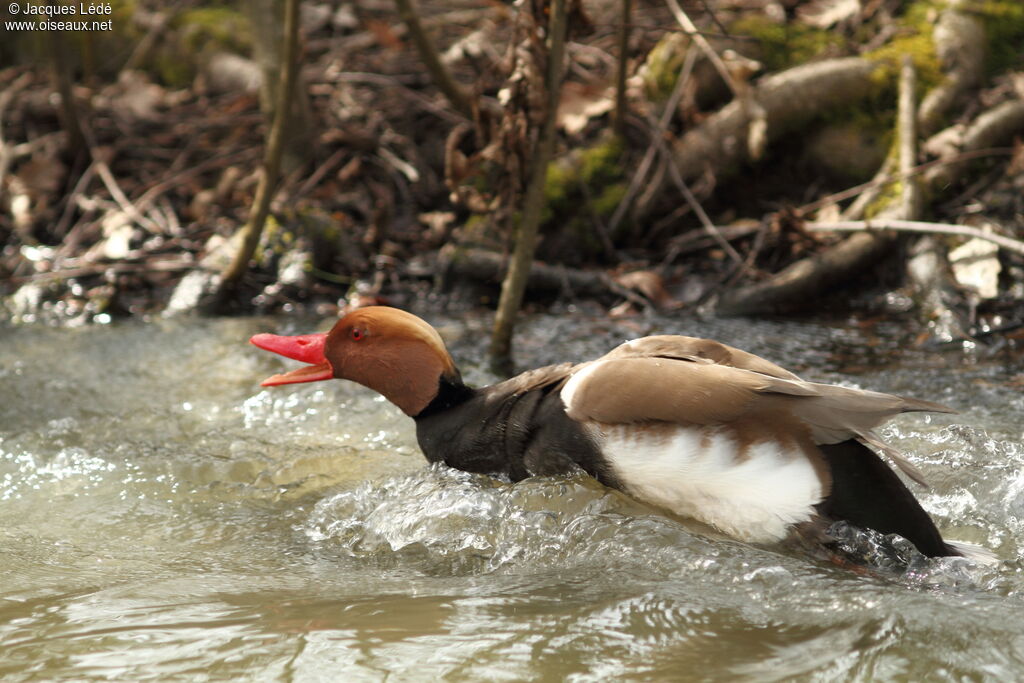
point(318, 175)
point(100, 166)
point(252, 230)
point(442, 77)
point(1007, 243)
point(154, 191)
point(884, 178)
point(397, 86)
point(168, 265)
point(514, 284)
point(69, 239)
point(623, 64)
point(910, 197)
point(698, 240)
point(702, 216)
point(645, 164)
point(157, 25)
point(103, 170)
point(691, 30)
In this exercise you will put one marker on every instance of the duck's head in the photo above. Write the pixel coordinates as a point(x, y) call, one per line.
point(395, 353)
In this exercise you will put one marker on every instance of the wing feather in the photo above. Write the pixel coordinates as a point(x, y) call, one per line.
point(688, 380)
point(699, 351)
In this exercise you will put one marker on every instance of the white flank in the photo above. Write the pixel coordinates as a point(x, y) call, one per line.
point(753, 498)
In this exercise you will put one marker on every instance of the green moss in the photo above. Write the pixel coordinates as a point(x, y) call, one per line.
point(581, 186)
point(600, 163)
point(662, 66)
point(1004, 30)
point(273, 242)
point(918, 44)
point(195, 33)
point(596, 168)
point(914, 37)
point(222, 27)
point(890, 194)
point(610, 198)
point(174, 71)
point(784, 45)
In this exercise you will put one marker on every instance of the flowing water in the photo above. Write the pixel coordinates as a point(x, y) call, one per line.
point(163, 517)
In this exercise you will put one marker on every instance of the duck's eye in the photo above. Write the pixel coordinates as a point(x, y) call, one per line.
point(357, 334)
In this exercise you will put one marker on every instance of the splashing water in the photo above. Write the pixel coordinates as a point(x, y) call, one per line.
point(162, 516)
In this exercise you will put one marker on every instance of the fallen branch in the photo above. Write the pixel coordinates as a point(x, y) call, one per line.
point(801, 280)
point(1007, 243)
point(483, 265)
point(785, 100)
point(883, 177)
point(806, 279)
point(960, 45)
point(168, 265)
point(993, 126)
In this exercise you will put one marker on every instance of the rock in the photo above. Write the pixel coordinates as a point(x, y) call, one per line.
point(976, 267)
point(226, 72)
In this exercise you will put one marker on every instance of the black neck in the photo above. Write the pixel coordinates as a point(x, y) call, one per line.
point(450, 393)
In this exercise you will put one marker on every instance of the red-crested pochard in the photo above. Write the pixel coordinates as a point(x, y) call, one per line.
point(702, 429)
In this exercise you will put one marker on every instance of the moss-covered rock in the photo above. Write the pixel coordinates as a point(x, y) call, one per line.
point(913, 38)
point(781, 46)
point(661, 68)
point(1004, 29)
point(581, 187)
point(195, 35)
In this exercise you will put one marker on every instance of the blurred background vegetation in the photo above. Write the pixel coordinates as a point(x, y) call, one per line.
point(710, 156)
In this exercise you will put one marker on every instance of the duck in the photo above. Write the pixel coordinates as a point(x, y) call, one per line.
point(693, 426)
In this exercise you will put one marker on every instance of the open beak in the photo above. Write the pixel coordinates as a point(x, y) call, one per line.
point(308, 348)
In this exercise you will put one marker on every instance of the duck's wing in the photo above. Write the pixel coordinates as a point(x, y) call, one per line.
point(632, 390)
point(692, 381)
point(699, 351)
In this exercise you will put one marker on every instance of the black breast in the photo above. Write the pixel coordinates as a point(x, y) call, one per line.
point(503, 431)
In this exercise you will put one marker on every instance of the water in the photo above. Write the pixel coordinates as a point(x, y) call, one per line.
point(163, 517)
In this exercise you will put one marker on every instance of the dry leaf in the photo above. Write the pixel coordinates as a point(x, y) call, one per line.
point(648, 283)
point(580, 102)
point(384, 34)
point(42, 176)
point(828, 13)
